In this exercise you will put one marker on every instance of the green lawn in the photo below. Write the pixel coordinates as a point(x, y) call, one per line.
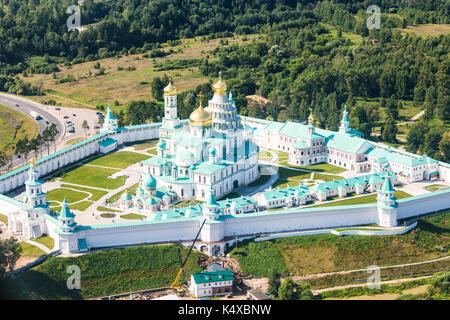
point(372, 198)
point(260, 181)
point(435, 187)
point(132, 216)
point(326, 177)
point(83, 205)
point(121, 159)
point(4, 218)
point(60, 194)
point(31, 251)
point(290, 174)
point(321, 167)
point(102, 273)
point(326, 253)
point(104, 209)
point(94, 177)
point(46, 241)
point(145, 144)
point(96, 194)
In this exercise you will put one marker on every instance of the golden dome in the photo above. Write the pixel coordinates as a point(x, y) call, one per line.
point(310, 118)
point(200, 117)
point(220, 86)
point(170, 89)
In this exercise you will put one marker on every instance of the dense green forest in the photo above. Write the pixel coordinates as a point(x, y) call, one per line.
point(304, 58)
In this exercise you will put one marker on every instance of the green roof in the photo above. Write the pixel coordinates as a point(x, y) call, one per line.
point(107, 142)
point(213, 276)
point(387, 185)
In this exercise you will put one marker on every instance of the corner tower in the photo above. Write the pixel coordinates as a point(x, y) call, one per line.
point(387, 204)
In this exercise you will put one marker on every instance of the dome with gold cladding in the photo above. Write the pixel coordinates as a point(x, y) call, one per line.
point(220, 86)
point(170, 89)
point(200, 117)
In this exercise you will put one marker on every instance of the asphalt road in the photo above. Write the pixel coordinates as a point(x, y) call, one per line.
point(49, 115)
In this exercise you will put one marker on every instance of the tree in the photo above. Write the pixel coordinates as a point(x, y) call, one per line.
point(158, 85)
point(287, 290)
point(444, 146)
point(10, 251)
point(85, 126)
point(431, 142)
point(416, 136)
point(440, 283)
point(390, 131)
point(274, 283)
point(53, 132)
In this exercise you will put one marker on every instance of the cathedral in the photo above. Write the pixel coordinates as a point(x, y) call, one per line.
point(212, 154)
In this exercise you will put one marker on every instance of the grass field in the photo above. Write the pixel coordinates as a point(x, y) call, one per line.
point(15, 125)
point(130, 83)
point(435, 187)
point(372, 198)
point(96, 194)
point(145, 144)
point(94, 177)
point(321, 167)
point(326, 253)
point(120, 160)
point(428, 29)
point(131, 190)
point(60, 194)
point(30, 251)
point(102, 273)
point(133, 216)
point(82, 206)
point(46, 241)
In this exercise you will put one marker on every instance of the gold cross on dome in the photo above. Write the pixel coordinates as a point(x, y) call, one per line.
point(200, 95)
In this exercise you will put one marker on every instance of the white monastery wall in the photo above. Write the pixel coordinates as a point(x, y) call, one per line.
point(414, 206)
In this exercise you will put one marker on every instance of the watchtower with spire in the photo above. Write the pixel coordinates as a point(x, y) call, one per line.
point(345, 123)
point(387, 204)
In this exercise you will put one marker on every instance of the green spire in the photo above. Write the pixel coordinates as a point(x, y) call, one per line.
point(65, 211)
point(387, 185)
point(211, 202)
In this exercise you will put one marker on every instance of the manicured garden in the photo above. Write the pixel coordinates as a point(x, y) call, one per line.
point(435, 187)
point(120, 160)
point(326, 253)
point(103, 273)
point(372, 198)
point(96, 194)
point(133, 216)
point(94, 177)
point(60, 194)
point(108, 215)
point(145, 144)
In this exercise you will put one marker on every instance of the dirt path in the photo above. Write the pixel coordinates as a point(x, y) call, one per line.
point(365, 284)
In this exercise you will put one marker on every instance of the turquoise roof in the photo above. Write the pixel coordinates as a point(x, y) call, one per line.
point(301, 145)
point(125, 196)
point(345, 115)
point(211, 201)
point(387, 185)
point(149, 181)
point(65, 211)
point(213, 276)
point(33, 182)
point(286, 193)
point(109, 114)
point(350, 182)
point(107, 142)
point(400, 157)
point(210, 168)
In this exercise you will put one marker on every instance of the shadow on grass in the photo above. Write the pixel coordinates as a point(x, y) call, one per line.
point(35, 285)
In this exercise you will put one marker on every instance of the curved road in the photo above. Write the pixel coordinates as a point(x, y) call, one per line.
point(50, 114)
point(27, 106)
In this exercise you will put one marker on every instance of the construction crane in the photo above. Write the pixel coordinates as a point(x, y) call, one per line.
point(175, 285)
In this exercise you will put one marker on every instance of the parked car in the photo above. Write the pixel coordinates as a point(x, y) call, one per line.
point(17, 105)
point(71, 129)
point(74, 115)
point(66, 117)
point(69, 125)
point(46, 121)
point(58, 109)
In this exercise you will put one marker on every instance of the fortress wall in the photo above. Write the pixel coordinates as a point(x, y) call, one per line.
point(413, 206)
point(73, 154)
point(302, 220)
point(139, 234)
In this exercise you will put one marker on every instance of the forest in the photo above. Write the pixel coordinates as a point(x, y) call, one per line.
point(305, 59)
